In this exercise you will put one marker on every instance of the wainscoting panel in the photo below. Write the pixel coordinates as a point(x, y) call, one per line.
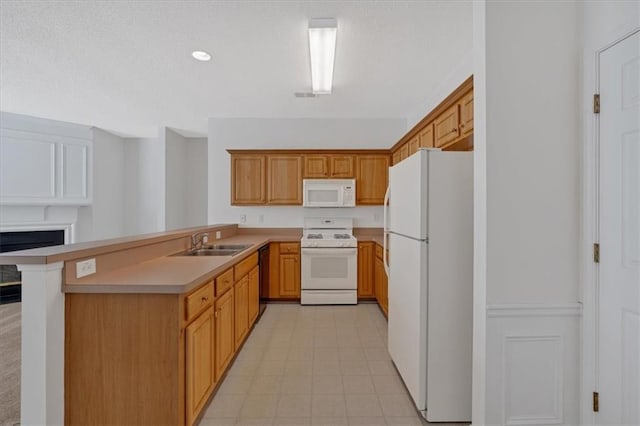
point(532, 364)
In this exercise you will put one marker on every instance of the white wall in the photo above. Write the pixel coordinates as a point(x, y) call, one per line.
point(175, 178)
point(529, 100)
point(196, 173)
point(105, 217)
point(444, 88)
point(257, 133)
point(145, 185)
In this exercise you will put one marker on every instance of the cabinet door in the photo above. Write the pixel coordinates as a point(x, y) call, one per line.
point(426, 136)
point(248, 179)
point(365, 270)
point(446, 127)
point(284, 183)
point(381, 285)
point(371, 179)
point(466, 114)
point(241, 307)
point(414, 144)
point(404, 151)
point(289, 275)
point(316, 166)
point(341, 166)
point(199, 363)
point(396, 157)
point(254, 294)
point(224, 318)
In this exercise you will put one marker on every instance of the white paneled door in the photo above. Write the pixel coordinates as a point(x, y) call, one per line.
point(619, 229)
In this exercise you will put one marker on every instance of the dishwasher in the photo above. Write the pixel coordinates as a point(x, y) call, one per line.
point(263, 262)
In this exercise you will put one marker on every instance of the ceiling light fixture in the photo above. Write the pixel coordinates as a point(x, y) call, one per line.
point(322, 49)
point(201, 55)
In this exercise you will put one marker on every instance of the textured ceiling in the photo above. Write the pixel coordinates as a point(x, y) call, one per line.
point(126, 66)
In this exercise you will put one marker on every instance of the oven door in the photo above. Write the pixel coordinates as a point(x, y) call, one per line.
point(329, 268)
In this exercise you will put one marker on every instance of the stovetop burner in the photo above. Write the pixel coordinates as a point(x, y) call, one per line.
point(341, 236)
point(314, 236)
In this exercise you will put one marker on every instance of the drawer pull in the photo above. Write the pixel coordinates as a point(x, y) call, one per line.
point(205, 298)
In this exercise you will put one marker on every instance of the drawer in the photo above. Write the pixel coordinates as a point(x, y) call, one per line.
point(198, 301)
point(289, 247)
point(243, 267)
point(224, 282)
point(378, 251)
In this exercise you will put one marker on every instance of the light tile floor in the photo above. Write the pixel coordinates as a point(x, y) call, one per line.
point(314, 365)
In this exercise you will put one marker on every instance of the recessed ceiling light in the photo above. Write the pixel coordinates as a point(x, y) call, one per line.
point(201, 55)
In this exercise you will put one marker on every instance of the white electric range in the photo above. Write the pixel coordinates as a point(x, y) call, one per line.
point(329, 262)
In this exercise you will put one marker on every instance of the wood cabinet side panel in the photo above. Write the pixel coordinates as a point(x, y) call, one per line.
point(117, 348)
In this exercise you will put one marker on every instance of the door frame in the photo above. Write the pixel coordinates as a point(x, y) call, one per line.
point(589, 270)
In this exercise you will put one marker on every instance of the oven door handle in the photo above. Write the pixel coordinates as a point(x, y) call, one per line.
point(330, 251)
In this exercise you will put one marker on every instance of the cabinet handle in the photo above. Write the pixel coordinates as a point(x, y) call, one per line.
point(461, 125)
point(215, 314)
point(454, 130)
point(205, 298)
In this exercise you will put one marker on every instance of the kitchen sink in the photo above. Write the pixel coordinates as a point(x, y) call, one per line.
point(227, 247)
point(216, 250)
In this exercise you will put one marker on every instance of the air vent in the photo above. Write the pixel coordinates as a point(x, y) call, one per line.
point(304, 95)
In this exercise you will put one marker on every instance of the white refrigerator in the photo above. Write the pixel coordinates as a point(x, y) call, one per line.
point(429, 234)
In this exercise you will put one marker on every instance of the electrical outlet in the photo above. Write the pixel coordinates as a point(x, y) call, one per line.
point(86, 267)
point(218, 235)
point(243, 218)
point(376, 217)
point(261, 218)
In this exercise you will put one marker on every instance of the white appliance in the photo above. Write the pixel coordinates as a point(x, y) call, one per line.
point(329, 192)
point(429, 232)
point(329, 262)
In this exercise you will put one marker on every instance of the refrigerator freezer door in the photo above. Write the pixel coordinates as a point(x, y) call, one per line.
point(408, 196)
point(407, 337)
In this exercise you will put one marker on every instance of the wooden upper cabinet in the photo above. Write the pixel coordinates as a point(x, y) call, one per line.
point(426, 136)
point(446, 127)
point(466, 114)
point(396, 157)
point(284, 179)
point(404, 151)
point(371, 178)
point(316, 166)
point(328, 166)
point(414, 144)
point(341, 166)
point(248, 174)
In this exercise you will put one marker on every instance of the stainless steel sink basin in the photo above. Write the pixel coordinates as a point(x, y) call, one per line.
point(227, 247)
point(209, 252)
point(216, 250)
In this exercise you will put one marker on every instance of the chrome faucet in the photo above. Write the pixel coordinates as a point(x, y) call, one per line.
point(199, 238)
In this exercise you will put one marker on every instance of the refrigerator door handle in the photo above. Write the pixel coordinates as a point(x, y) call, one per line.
point(385, 210)
point(385, 236)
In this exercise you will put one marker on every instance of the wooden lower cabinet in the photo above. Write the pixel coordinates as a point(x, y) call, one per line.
point(225, 342)
point(200, 377)
point(381, 285)
point(241, 310)
point(284, 271)
point(365, 270)
point(254, 295)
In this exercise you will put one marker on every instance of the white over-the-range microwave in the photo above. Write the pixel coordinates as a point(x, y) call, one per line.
point(329, 193)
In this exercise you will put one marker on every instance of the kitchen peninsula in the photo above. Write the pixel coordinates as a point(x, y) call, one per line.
point(149, 335)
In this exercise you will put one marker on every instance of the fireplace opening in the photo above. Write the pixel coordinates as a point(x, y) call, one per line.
point(10, 287)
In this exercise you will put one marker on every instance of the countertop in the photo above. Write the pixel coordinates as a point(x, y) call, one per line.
point(172, 274)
